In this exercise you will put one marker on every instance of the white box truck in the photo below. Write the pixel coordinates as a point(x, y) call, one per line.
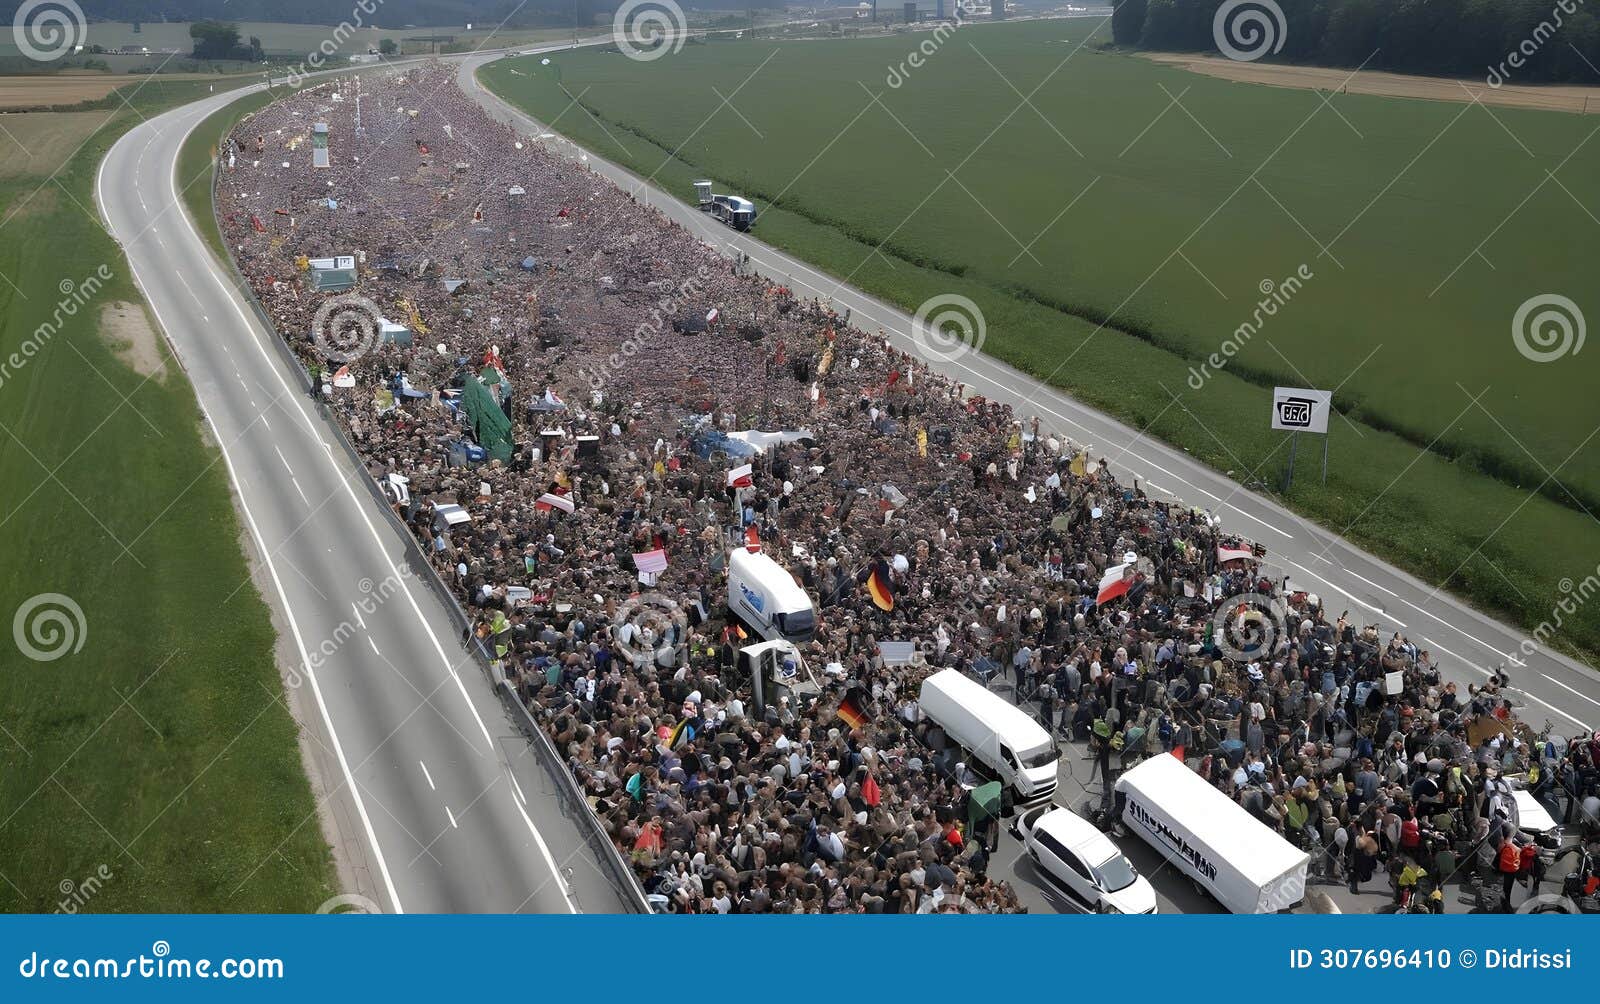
point(1229, 853)
point(766, 598)
point(991, 735)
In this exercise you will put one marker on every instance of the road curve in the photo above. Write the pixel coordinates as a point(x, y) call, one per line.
point(1469, 643)
point(454, 813)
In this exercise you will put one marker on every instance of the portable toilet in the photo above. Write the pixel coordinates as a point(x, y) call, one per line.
point(702, 192)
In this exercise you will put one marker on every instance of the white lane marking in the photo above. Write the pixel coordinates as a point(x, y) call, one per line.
point(358, 616)
point(299, 640)
point(1552, 707)
point(1317, 578)
point(1454, 628)
point(1369, 582)
point(1453, 655)
point(374, 646)
point(227, 292)
point(1532, 697)
point(302, 491)
point(453, 824)
point(549, 859)
point(1574, 690)
point(426, 775)
point(520, 796)
point(261, 349)
point(284, 459)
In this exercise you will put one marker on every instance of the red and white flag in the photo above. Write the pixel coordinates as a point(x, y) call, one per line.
point(1116, 582)
point(550, 500)
point(653, 562)
point(1226, 554)
point(740, 477)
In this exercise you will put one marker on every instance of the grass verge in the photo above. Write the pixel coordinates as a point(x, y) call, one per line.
point(153, 766)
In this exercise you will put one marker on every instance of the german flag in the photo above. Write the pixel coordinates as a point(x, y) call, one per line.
point(878, 587)
point(851, 711)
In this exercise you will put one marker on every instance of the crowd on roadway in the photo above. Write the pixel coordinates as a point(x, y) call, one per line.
point(629, 358)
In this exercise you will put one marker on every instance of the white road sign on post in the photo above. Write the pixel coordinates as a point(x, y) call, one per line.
point(1297, 409)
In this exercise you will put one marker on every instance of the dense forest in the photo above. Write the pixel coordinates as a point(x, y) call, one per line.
point(1553, 40)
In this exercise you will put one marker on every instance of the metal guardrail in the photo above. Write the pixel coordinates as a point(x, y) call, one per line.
point(574, 805)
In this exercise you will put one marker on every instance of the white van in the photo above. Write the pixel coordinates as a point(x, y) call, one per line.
point(766, 598)
point(994, 737)
point(1212, 839)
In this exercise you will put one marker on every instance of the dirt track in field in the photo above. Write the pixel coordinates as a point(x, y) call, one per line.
point(1559, 98)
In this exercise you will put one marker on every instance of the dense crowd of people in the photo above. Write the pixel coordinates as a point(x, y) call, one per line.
point(631, 361)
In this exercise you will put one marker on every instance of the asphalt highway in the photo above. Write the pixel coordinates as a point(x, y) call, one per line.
point(452, 811)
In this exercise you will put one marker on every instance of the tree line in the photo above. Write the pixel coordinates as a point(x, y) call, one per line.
point(1509, 41)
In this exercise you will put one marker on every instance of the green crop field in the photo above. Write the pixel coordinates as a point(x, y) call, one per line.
point(1118, 227)
point(151, 764)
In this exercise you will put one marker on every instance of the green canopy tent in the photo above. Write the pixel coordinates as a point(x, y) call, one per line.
point(489, 424)
point(984, 803)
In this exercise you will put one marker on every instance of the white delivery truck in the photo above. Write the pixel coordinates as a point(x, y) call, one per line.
point(766, 598)
point(1229, 853)
point(964, 722)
